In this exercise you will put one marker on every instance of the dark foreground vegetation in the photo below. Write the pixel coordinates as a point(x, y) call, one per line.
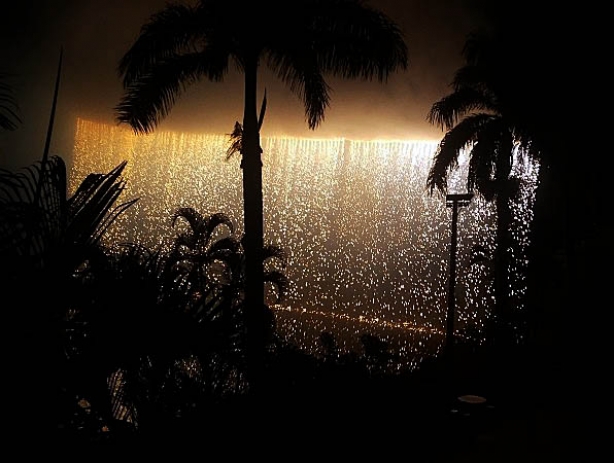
point(114, 347)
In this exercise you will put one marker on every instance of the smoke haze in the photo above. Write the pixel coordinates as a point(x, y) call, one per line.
point(95, 34)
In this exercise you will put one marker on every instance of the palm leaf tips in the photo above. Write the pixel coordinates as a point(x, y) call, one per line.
point(9, 117)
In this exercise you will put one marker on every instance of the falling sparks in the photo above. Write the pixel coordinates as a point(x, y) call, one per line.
point(368, 245)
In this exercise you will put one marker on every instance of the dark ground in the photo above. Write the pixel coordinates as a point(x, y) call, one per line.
point(343, 417)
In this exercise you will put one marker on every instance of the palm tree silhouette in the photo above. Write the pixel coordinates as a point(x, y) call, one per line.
point(163, 347)
point(477, 118)
point(300, 41)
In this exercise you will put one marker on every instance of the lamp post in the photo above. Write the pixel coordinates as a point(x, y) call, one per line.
point(453, 201)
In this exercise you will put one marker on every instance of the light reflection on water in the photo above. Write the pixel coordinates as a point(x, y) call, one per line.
point(368, 246)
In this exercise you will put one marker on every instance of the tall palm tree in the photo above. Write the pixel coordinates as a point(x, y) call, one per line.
point(300, 41)
point(528, 50)
point(478, 119)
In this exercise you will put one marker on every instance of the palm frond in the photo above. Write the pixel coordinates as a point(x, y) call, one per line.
point(446, 112)
point(305, 79)
point(148, 99)
point(490, 158)
point(275, 260)
point(477, 46)
point(276, 253)
point(191, 215)
point(480, 175)
point(479, 254)
point(236, 136)
point(279, 282)
point(262, 111)
point(225, 247)
point(9, 117)
point(343, 38)
point(479, 79)
point(236, 141)
point(90, 209)
point(57, 222)
point(213, 224)
point(28, 228)
point(167, 33)
point(202, 227)
point(446, 157)
point(352, 40)
point(20, 186)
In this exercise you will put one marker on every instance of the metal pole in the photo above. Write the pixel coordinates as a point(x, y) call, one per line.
point(453, 201)
point(451, 315)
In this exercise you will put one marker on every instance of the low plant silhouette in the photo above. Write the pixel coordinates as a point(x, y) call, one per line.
point(477, 118)
point(44, 244)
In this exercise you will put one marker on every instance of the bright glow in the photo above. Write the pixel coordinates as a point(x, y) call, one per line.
point(368, 245)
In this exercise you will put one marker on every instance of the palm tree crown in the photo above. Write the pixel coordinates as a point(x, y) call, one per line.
point(478, 116)
point(299, 41)
point(9, 118)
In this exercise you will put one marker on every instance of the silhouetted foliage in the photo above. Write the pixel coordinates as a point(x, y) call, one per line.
point(172, 346)
point(9, 117)
point(478, 120)
point(43, 246)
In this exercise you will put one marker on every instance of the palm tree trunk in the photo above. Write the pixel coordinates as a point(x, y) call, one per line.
point(253, 239)
point(504, 188)
point(549, 295)
point(502, 261)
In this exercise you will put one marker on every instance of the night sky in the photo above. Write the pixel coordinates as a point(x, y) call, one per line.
point(96, 33)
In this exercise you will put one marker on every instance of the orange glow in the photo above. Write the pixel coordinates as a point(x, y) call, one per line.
point(367, 244)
